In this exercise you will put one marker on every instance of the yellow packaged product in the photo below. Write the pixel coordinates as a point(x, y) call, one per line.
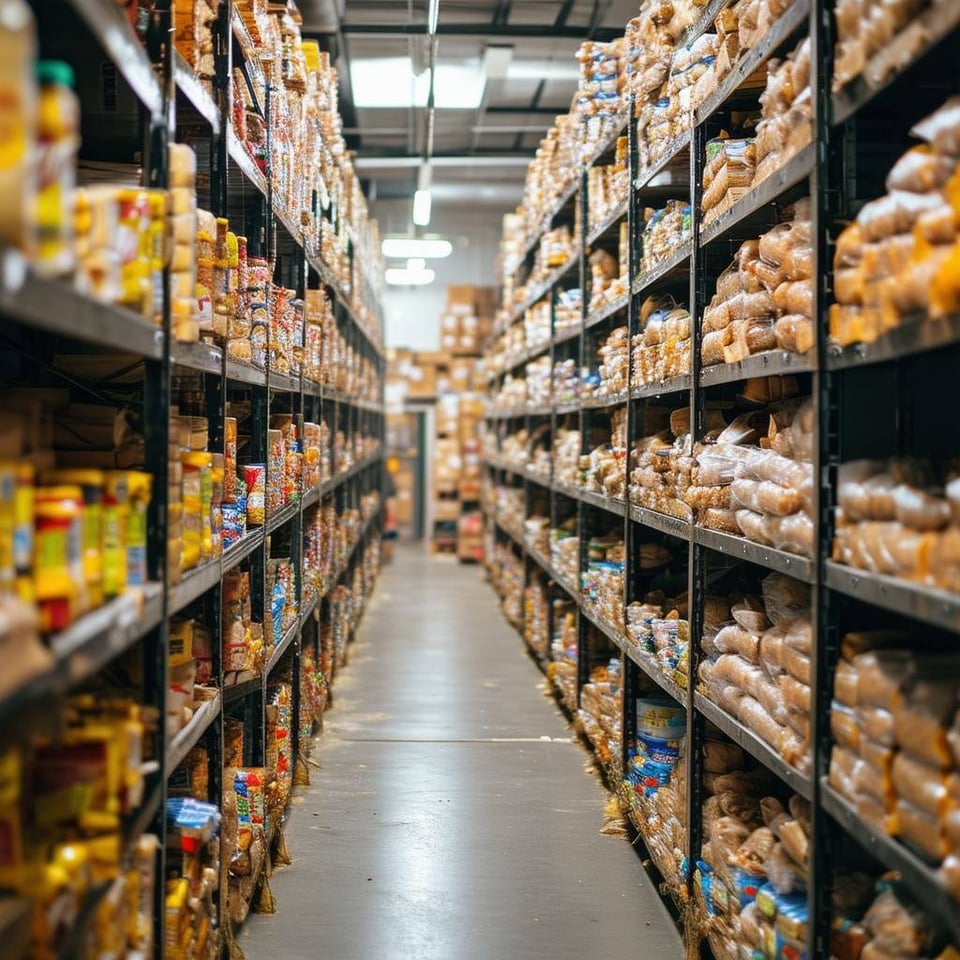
point(58, 137)
point(116, 515)
point(91, 482)
point(139, 488)
point(58, 556)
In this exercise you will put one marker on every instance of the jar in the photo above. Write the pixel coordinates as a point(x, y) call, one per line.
point(133, 217)
point(58, 556)
point(18, 118)
point(58, 139)
point(157, 252)
point(216, 504)
point(140, 487)
point(116, 512)
point(192, 510)
point(90, 483)
point(255, 475)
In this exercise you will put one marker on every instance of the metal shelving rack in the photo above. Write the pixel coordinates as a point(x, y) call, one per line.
point(901, 378)
point(167, 103)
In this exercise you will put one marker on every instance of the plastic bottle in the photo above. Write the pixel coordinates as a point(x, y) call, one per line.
point(58, 139)
point(58, 559)
point(18, 119)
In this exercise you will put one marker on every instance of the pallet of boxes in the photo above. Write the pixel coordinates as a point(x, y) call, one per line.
point(469, 489)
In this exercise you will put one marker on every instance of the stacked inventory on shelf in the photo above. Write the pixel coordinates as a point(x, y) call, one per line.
point(457, 469)
point(721, 493)
point(191, 439)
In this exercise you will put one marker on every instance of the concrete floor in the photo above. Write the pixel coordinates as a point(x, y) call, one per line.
point(452, 818)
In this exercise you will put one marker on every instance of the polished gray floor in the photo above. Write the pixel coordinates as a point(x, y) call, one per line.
point(452, 818)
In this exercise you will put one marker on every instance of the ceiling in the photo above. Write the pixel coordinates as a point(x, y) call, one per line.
point(481, 153)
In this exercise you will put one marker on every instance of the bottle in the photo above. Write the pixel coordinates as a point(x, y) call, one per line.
point(18, 118)
point(58, 139)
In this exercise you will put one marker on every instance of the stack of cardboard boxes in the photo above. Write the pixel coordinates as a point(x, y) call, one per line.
point(467, 320)
point(451, 377)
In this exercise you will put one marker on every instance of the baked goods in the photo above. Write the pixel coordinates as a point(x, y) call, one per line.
point(899, 518)
point(900, 258)
point(764, 299)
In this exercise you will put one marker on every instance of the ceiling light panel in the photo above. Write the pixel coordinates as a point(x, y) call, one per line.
point(403, 248)
point(390, 82)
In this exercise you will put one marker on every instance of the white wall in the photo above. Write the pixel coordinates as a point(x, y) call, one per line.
point(412, 314)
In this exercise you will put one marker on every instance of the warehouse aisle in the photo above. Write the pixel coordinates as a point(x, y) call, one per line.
point(452, 818)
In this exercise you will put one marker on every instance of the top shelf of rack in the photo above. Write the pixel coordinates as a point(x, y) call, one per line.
point(109, 25)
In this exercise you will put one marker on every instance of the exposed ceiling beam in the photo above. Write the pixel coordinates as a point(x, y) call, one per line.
point(534, 103)
point(517, 30)
point(538, 111)
point(566, 8)
point(400, 162)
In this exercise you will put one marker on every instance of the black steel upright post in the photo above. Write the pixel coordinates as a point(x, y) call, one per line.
point(825, 182)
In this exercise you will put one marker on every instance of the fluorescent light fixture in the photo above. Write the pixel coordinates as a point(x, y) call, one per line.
point(402, 248)
point(402, 277)
point(390, 82)
point(416, 264)
point(382, 82)
point(543, 70)
point(421, 208)
point(496, 61)
point(456, 87)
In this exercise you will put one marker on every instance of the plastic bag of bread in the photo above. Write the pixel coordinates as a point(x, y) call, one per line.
point(799, 636)
point(845, 682)
point(855, 497)
point(795, 297)
point(897, 928)
point(795, 841)
point(942, 128)
point(844, 727)
point(794, 333)
point(753, 715)
point(722, 756)
point(922, 716)
point(893, 213)
point(951, 826)
point(726, 835)
point(765, 465)
point(784, 874)
point(950, 874)
point(920, 784)
point(843, 762)
point(797, 664)
point(713, 344)
point(733, 639)
point(749, 614)
point(796, 695)
point(876, 723)
point(921, 831)
point(793, 533)
point(765, 496)
point(771, 651)
point(871, 782)
point(767, 693)
point(718, 518)
point(919, 510)
point(883, 674)
point(753, 852)
point(733, 669)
